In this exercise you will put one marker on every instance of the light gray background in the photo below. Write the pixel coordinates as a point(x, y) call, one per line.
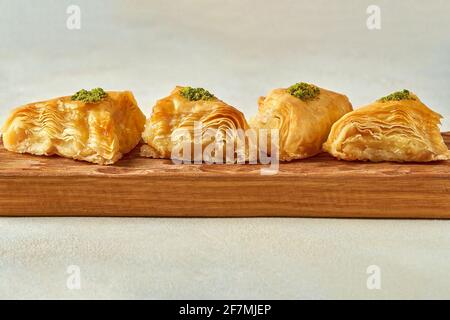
point(239, 50)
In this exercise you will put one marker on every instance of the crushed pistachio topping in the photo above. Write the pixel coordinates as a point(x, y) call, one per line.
point(304, 91)
point(196, 94)
point(397, 96)
point(93, 96)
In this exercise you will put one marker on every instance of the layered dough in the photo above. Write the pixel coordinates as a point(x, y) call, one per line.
point(303, 125)
point(178, 123)
point(399, 131)
point(100, 132)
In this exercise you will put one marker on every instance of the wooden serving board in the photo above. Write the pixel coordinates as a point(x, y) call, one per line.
point(135, 186)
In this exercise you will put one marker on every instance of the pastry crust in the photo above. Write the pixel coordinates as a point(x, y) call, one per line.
point(303, 125)
point(398, 131)
point(176, 114)
point(100, 132)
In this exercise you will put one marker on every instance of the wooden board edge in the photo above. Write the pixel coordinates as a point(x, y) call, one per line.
point(313, 197)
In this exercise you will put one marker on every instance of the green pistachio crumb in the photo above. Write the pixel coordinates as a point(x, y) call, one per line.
point(397, 96)
point(304, 91)
point(93, 96)
point(196, 94)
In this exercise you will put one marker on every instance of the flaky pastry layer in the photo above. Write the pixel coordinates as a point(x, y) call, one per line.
point(99, 132)
point(303, 125)
point(398, 131)
point(174, 117)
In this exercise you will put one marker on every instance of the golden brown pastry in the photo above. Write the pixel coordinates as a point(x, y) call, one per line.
point(94, 126)
point(169, 132)
point(398, 127)
point(303, 114)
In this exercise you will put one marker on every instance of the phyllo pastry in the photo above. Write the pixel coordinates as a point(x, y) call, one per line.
point(94, 126)
point(303, 114)
point(191, 124)
point(398, 127)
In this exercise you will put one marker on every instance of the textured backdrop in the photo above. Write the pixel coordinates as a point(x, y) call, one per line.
point(239, 49)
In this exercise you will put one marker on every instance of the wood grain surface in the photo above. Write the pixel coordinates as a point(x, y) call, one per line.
point(136, 186)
